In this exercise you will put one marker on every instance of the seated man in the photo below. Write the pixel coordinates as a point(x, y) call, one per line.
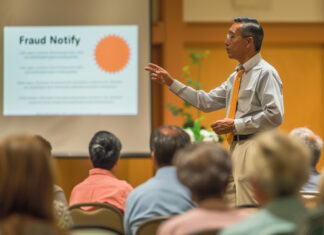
point(161, 195)
point(101, 184)
point(205, 168)
point(277, 174)
point(314, 143)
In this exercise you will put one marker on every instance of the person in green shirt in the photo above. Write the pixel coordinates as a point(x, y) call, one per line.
point(279, 168)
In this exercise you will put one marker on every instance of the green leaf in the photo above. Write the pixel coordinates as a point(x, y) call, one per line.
point(188, 124)
point(195, 84)
point(174, 109)
point(194, 58)
point(186, 69)
point(188, 116)
point(189, 81)
point(198, 85)
point(206, 53)
point(196, 130)
point(186, 104)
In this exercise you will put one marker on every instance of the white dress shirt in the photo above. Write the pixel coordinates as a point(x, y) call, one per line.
point(260, 99)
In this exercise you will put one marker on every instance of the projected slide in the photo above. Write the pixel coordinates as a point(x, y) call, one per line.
point(70, 70)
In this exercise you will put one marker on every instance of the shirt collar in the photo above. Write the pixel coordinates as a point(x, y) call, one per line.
point(250, 63)
point(100, 171)
point(165, 171)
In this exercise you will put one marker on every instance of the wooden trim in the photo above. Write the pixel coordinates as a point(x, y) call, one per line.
point(215, 32)
point(158, 33)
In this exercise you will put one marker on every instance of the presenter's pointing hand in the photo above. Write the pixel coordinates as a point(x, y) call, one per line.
point(159, 74)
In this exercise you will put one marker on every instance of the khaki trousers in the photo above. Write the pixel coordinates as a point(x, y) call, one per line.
point(239, 191)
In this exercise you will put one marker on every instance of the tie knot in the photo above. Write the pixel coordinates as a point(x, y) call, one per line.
point(240, 72)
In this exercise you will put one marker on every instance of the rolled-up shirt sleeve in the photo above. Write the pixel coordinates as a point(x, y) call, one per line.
point(204, 101)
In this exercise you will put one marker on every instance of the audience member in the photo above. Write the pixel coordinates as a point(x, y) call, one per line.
point(162, 195)
point(278, 173)
point(102, 185)
point(205, 169)
point(59, 194)
point(26, 187)
point(62, 215)
point(61, 210)
point(314, 143)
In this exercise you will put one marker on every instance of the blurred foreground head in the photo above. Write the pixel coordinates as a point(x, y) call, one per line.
point(26, 178)
point(205, 169)
point(280, 165)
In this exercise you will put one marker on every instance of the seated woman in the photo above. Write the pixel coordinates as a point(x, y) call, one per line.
point(280, 166)
point(26, 187)
point(205, 169)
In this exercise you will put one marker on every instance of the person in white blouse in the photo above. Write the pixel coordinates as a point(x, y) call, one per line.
point(259, 104)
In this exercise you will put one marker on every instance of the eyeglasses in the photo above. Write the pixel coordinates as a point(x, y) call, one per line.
point(229, 36)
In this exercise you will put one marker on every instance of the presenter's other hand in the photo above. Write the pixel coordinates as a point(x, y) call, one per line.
point(159, 74)
point(223, 126)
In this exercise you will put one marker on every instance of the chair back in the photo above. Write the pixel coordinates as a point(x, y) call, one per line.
point(310, 199)
point(150, 226)
point(103, 214)
point(207, 232)
point(92, 230)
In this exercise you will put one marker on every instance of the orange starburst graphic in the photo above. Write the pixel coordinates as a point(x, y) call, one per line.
point(112, 53)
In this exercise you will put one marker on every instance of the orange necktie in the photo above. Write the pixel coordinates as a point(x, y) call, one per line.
point(232, 107)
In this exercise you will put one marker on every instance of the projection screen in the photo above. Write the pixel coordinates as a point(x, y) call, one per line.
point(72, 68)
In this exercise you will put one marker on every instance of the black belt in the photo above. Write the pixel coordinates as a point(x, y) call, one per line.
point(242, 137)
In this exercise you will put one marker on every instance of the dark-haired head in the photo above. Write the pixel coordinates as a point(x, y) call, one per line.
point(104, 150)
point(165, 142)
point(251, 28)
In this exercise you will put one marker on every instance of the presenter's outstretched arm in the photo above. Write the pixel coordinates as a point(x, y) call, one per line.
point(159, 74)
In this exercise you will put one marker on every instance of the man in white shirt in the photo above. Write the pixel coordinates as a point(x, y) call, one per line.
point(259, 104)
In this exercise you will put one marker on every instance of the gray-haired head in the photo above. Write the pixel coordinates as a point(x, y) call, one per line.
point(311, 140)
point(205, 169)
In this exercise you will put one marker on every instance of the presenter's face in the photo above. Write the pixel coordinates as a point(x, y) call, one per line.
point(235, 44)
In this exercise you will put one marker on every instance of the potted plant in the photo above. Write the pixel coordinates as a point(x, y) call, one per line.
point(191, 125)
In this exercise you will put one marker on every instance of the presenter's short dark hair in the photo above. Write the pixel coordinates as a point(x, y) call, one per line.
point(166, 141)
point(104, 150)
point(251, 28)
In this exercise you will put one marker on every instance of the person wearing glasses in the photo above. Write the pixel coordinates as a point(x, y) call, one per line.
point(253, 104)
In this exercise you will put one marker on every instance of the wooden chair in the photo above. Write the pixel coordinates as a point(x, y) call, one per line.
point(310, 199)
point(93, 230)
point(103, 214)
point(150, 226)
point(207, 232)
